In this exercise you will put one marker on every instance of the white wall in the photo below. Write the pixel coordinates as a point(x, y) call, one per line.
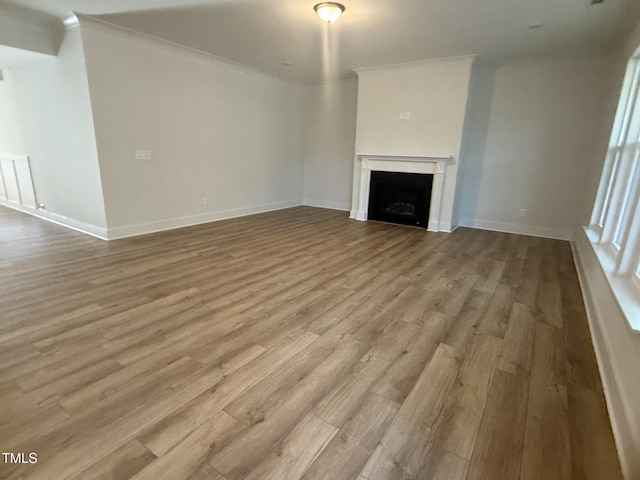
point(617, 346)
point(532, 138)
point(329, 130)
point(17, 31)
point(10, 128)
point(435, 93)
point(46, 114)
point(614, 88)
point(215, 130)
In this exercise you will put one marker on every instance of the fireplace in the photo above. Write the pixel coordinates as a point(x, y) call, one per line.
point(439, 193)
point(402, 198)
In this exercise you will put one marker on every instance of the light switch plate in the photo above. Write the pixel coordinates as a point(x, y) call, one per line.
point(144, 155)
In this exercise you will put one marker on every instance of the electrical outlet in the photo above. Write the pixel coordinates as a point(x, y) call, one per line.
point(405, 115)
point(205, 201)
point(523, 212)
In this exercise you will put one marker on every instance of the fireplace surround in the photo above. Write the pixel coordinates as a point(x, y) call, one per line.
point(436, 166)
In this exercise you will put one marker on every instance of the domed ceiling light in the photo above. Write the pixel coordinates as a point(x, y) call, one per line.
point(329, 11)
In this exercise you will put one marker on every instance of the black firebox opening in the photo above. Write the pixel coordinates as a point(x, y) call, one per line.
point(402, 198)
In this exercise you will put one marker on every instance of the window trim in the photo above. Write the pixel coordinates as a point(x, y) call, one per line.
point(614, 232)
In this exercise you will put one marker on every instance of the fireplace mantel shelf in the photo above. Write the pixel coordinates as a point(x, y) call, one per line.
point(405, 158)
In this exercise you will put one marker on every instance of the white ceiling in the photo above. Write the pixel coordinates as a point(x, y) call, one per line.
point(266, 33)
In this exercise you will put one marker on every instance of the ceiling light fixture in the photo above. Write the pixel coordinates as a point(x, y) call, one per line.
point(329, 11)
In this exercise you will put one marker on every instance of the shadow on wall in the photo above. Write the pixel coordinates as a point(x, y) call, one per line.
point(533, 133)
point(481, 99)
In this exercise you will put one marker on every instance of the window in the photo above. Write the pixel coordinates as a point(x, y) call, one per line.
point(615, 221)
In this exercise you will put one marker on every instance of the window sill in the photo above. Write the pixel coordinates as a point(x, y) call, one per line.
point(625, 289)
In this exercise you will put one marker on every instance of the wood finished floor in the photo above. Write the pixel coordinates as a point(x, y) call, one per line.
point(296, 345)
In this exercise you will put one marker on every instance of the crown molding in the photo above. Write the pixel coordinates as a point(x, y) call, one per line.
point(470, 59)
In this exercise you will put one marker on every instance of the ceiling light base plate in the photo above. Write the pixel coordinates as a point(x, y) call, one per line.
point(329, 11)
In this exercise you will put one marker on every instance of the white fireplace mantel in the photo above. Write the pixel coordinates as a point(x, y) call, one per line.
point(364, 164)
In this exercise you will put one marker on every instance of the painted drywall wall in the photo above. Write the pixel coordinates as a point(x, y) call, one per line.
point(594, 163)
point(434, 94)
point(617, 70)
point(224, 140)
point(475, 99)
point(18, 31)
point(617, 346)
point(46, 114)
point(532, 139)
point(10, 128)
point(329, 130)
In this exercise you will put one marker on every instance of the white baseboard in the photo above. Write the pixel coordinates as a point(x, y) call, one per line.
point(93, 230)
point(313, 202)
point(447, 227)
point(616, 348)
point(531, 230)
point(172, 223)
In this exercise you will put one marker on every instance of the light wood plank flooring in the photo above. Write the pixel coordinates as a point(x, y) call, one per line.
point(296, 345)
